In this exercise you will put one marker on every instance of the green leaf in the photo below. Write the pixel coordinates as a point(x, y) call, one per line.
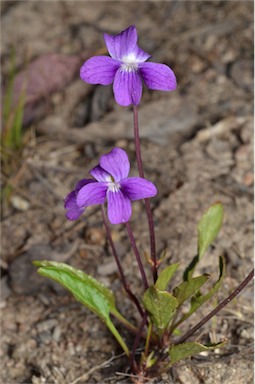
point(161, 306)
point(87, 290)
point(58, 272)
point(188, 288)
point(198, 299)
point(191, 348)
point(208, 227)
point(165, 276)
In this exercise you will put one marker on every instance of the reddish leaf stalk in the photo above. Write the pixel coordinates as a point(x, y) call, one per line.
point(136, 342)
point(217, 309)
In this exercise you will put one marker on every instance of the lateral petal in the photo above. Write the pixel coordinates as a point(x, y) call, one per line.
point(90, 194)
point(127, 87)
point(119, 207)
point(136, 188)
point(99, 70)
point(158, 76)
point(116, 163)
point(122, 44)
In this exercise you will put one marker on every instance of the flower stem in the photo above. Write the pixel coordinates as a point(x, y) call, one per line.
point(217, 309)
point(147, 201)
point(122, 276)
point(137, 255)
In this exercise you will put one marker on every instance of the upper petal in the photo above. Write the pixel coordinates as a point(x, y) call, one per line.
point(99, 70)
point(119, 207)
point(90, 194)
point(116, 163)
point(73, 211)
point(136, 188)
point(83, 182)
point(158, 76)
point(100, 174)
point(122, 44)
point(127, 87)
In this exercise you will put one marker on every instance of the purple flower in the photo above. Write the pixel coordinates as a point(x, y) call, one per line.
point(111, 183)
point(126, 68)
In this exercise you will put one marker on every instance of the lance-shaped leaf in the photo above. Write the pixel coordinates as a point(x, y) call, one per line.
point(198, 299)
point(190, 348)
point(87, 290)
point(161, 306)
point(188, 288)
point(208, 228)
point(165, 276)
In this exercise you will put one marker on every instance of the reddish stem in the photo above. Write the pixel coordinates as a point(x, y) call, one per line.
point(147, 201)
point(122, 276)
point(137, 255)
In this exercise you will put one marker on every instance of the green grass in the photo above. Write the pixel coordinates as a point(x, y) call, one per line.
point(12, 133)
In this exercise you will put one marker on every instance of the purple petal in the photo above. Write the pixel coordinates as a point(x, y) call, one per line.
point(91, 194)
point(119, 207)
point(100, 174)
point(73, 211)
point(157, 76)
point(136, 188)
point(122, 44)
point(83, 182)
point(127, 87)
point(116, 163)
point(99, 70)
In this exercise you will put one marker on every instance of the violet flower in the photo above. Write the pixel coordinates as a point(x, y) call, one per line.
point(112, 184)
point(126, 68)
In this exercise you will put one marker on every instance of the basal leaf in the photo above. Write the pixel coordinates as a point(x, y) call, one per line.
point(64, 269)
point(165, 276)
point(188, 288)
point(209, 226)
point(161, 306)
point(198, 299)
point(91, 293)
point(87, 290)
point(190, 348)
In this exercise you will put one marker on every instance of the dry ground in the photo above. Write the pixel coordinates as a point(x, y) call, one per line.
point(197, 147)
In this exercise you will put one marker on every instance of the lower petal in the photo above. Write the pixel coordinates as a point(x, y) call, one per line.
point(127, 87)
point(99, 70)
point(90, 194)
point(158, 76)
point(119, 207)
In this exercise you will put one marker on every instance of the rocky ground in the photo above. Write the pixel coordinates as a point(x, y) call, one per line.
point(197, 147)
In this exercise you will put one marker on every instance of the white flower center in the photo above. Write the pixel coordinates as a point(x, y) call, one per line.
point(113, 187)
point(129, 63)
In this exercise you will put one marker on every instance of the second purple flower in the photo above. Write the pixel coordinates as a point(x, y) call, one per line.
point(112, 184)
